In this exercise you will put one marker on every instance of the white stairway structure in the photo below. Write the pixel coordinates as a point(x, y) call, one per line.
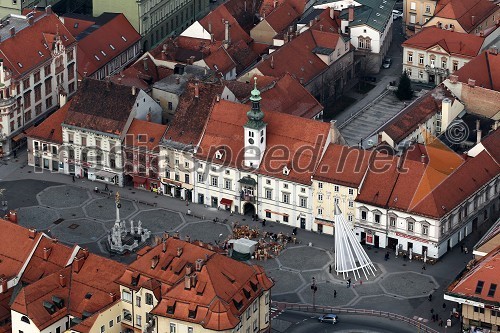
point(349, 254)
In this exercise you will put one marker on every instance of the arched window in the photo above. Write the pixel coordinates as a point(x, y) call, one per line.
point(25, 320)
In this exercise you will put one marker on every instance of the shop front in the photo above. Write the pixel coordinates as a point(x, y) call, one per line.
point(226, 203)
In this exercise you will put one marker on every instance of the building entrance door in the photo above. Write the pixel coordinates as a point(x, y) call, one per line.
point(302, 223)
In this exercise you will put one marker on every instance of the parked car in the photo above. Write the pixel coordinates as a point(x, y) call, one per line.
point(396, 14)
point(329, 318)
point(387, 63)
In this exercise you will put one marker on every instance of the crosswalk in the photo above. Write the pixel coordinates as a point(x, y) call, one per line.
point(423, 320)
point(275, 312)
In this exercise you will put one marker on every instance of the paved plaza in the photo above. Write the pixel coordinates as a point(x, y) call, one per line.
point(73, 213)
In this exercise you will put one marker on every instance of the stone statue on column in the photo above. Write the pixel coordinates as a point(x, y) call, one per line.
point(118, 205)
point(132, 227)
point(139, 227)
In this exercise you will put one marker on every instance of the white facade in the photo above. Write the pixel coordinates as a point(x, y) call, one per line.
point(21, 323)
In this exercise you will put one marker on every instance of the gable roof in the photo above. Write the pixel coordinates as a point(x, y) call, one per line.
point(373, 13)
point(225, 130)
point(50, 129)
point(101, 106)
point(454, 43)
point(144, 134)
point(484, 69)
point(26, 50)
point(464, 10)
point(214, 23)
point(282, 17)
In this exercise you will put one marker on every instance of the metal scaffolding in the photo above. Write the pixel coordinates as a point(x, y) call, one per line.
point(349, 254)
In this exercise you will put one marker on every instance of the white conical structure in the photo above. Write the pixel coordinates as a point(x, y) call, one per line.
point(349, 254)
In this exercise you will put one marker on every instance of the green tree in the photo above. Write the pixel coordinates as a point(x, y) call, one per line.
point(404, 91)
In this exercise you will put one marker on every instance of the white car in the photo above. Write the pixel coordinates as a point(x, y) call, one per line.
point(396, 14)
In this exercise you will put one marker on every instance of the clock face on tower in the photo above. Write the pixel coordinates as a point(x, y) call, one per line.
point(250, 141)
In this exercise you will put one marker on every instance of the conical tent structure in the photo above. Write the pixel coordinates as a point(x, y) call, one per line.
point(349, 254)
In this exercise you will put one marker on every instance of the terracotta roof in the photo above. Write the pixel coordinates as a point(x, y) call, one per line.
point(243, 55)
point(77, 25)
point(50, 129)
point(220, 61)
point(15, 249)
point(144, 134)
point(101, 106)
point(486, 270)
point(21, 53)
point(268, 6)
point(99, 45)
point(142, 74)
point(287, 95)
point(192, 113)
point(282, 17)
point(242, 89)
point(416, 114)
point(225, 131)
point(454, 43)
point(86, 290)
point(464, 10)
point(492, 145)
point(212, 288)
point(343, 165)
point(295, 57)
point(243, 12)
point(485, 69)
point(216, 20)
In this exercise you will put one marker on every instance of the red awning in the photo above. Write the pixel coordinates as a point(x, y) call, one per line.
point(139, 180)
point(226, 202)
point(166, 181)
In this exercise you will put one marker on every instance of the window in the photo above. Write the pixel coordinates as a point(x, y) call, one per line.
point(48, 102)
point(286, 197)
point(413, 18)
point(25, 319)
point(186, 178)
point(268, 214)
point(349, 217)
point(138, 320)
point(170, 106)
point(215, 181)
point(172, 328)
point(433, 61)
point(408, 71)
point(127, 315)
point(103, 329)
point(320, 211)
point(285, 185)
point(320, 185)
point(376, 218)
point(190, 329)
point(118, 319)
point(47, 70)
point(320, 197)
point(479, 287)
point(411, 225)
point(126, 296)
point(48, 85)
point(351, 203)
point(444, 63)
point(138, 301)
point(420, 59)
point(255, 306)
point(98, 143)
point(26, 84)
point(410, 57)
point(413, 5)
point(392, 221)
point(425, 230)
point(36, 77)
point(351, 191)
point(255, 326)
point(269, 194)
point(421, 74)
point(227, 184)
point(493, 288)
point(248, 314)
point(427, 9)
point(285, 218)
point(302, 202)
point(336, 188)
point(111, 323)
point(268, 182)
point(71, 71)
point(149, 299)
point(200, 177)
point(363, 215)
point(27, 99)
point(69, 54)
point(455, 66)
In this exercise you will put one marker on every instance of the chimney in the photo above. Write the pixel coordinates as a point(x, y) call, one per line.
point(63, 97)
point(62, 280)
point(332, 13)
point(194, 279)
point(32, 233)
point(112, 297)
point(311, 23)
point(227, 37)
point(31, 20)
point(177, 80)
point(321, 27)
point(85, 253)
point(351, 13)
point(196, 90)
point(46, 253)
point(272, 62)
point(187, 282)
point(48, 9)
point(148, 117)
point(189, 269)
point(478, 125)
point(133, 90)
point(179, 251)
point(154, 261)
point(55, 240)
point(301, 80)
point(166, 235)
point(145, 63)
point(198, 264)
point(164, 246)
point(210, 28)
point(275, 3)
point(212, 38)
point(479, 136)
point(163, 55)
point(422, 158)
point(12, 31)
point(481, 33)
point(334, 132)
point(473, 20)
point(453, 78)
point(78, 264)
point(187, 239)
point(494, 50)
point(495, 125)
point(471, 83)
point(3, 281)
point(176, 235)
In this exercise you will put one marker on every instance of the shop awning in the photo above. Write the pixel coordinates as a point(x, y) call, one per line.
point(139, 180)
point(166, 181)
point(104, 173)
point(226, 202)
point(248, 181)
point(19, 137)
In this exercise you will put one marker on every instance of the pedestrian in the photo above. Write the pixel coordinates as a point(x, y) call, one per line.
point(432, 311)
point(73, 178)
point(441, 322)
point(330, 269)
point(264, 222)
point(348, 282)
point(430, 297)
point(444, 305)
point(386, 256)
point(334, 293)
point(466, 250)
point(106, 187)
point(423, 267)
point(15, 153)
point(404, 257)
point(462, 248)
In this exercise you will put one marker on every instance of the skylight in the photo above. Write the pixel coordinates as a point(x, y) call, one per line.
point(40, 53)
point(20, 65)
point(125, 39)
point(103, 53)
point(111, 46)
point(96, 57)
point(76, 25)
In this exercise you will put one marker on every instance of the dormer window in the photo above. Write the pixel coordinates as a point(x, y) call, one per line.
point(286, 171)
point(218, 154)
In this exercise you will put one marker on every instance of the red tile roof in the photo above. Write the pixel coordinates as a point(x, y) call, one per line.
point(282, 17)
point(220, 61)
point(464, 10)
point(225, 131)
point(487, 270)
point(243, 55)
point(142, 74)
point(416, 114)
point(454, 43)
point(213, 288)
point(113, 38)
point(242, 90)
point(76, 25)
point(27, 45)
point(343, 165)
point(50, 129)
point(268, 6)
point(485, 69)
point(144, 134)
point(101, 106)
point(492, 144)
point(287, 95)
point(216, 20)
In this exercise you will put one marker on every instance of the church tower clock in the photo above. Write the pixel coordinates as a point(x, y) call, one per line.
point(255, 131)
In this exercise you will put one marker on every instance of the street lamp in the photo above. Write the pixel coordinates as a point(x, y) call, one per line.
point(314, 288)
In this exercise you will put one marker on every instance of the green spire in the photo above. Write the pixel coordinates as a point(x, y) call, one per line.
point(255, 115)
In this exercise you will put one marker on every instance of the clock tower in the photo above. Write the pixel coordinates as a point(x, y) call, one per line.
point(255, 131)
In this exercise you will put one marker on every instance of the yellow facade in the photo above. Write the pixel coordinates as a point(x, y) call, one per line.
point(325, 196)
point(489, 22)
point(416, 13)
point(475, 316)
point(108, 320)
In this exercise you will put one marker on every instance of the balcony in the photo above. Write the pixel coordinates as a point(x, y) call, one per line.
point(436, 70)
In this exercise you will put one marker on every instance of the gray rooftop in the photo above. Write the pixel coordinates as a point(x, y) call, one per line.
point(176, 84)
point(373, 13)
point(19, 22)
